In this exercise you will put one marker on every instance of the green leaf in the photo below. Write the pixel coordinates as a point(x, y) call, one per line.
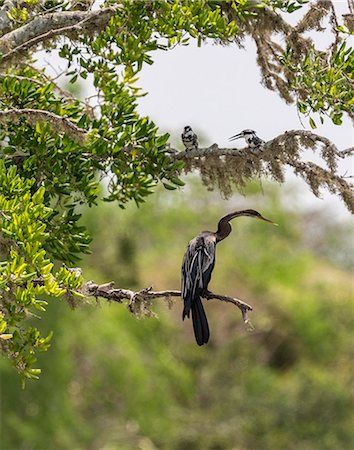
point(177, 181)
point(312, 123)
point(169, 187)
point(337, 119)
point(38, 196)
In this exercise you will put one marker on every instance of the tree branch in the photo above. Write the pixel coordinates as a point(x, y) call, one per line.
point(225, 167)
point(45, 27)
point(214, 149)
point(59, 124)
point(139, 302)
point(5, 21)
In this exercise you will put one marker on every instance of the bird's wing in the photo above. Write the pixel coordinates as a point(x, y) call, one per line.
point(198, 262)
point(257, 141)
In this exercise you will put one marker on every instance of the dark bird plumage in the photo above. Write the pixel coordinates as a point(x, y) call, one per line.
point(198, 264)
point(189, 138)
point(250, 137)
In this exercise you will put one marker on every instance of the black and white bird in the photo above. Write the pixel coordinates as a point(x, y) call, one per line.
point(250, 137)
point(189, 138)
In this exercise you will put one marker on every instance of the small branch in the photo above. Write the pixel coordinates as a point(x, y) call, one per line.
point(59, 124)
point(346, 152)
point(142, 298)
point(244, 307)
point(335, 24)
point(21, 78)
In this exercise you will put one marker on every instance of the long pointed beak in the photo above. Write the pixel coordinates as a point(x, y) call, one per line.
point(267, 220)
point(237, 136)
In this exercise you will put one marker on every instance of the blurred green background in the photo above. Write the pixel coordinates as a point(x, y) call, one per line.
point(112, 381)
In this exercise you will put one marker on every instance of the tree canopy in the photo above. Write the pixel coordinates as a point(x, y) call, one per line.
point(57, 148)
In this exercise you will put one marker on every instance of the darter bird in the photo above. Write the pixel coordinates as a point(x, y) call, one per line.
point(198, 264)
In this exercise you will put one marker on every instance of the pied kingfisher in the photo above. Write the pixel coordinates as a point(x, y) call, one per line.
point(189, 138)
point(250, 137)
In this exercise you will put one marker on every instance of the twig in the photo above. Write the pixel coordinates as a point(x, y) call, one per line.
point(21, 78)
point(346, 152)
point(58, 123)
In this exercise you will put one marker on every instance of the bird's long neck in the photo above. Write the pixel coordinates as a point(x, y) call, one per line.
point(224, 227)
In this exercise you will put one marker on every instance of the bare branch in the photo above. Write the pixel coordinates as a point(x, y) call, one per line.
point(59, 124)
point(346, 152)
point(45, 27)
point(139, 302)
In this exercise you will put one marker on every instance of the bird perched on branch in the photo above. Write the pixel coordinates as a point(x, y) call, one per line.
point(198, 264)
point(250, 136)
point(189, 138)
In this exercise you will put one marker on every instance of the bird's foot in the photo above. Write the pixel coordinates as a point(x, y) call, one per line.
point(205, 293)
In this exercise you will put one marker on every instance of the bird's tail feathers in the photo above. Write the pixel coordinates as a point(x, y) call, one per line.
point(186, 309)
point(200, 321)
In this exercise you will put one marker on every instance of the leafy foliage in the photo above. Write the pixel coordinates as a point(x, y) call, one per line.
point(113, 381)
point(290, 6)
point(55, 148)
point(27, 273)
point(331, 93)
